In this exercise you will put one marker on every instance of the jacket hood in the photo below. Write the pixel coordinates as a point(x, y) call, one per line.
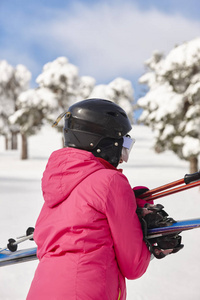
point(65, 169)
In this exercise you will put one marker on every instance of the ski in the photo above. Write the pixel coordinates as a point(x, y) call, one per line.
point(8, 257)
point(177, 227)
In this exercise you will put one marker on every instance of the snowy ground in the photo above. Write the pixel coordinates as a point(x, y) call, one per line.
point(175, 277)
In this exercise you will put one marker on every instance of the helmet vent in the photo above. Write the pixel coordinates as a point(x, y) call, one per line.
point(123, 114)
point(116, 114)
point(112, 113)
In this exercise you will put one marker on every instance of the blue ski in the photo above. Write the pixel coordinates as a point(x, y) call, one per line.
point(177, 227)
point(8, 258)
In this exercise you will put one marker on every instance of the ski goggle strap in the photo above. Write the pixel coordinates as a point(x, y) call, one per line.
point(128, 143)
point(66, 114)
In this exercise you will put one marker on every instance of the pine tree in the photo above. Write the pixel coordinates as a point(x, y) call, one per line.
point(59, 86)
point(63, 80)
point(34, 106)
point(13, 81)
point(171, 107)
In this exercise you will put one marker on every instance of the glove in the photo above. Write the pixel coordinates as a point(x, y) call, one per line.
point(138, 191)
point(152, 216)
point(162, 246)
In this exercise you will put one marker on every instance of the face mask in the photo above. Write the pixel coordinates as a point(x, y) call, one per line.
point(128, 143)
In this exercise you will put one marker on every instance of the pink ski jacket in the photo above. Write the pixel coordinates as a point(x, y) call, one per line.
point(88, 235)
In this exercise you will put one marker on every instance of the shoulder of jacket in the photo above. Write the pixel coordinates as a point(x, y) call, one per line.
point(110, 177)
point(103, 184)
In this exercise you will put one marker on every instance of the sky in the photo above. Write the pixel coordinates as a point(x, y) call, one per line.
point(104, 39)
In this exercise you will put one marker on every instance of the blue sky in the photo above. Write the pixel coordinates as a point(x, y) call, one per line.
point(104, 39)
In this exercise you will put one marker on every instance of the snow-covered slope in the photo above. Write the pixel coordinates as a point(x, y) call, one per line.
point(175, 277)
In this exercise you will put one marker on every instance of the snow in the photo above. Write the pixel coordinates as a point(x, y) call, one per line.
point(191, 146)
point(192, 111)
point(13, 118)
point(23, 76)
point(6, 71)
point(39, 98)
point(185, 54)
point(118, 88)
point(169, 129)
point(86, 85)
point(57, 73)
point(174, 277)
point(120, 91)
point(162, 101)
point(102, 90)
point(13, 81)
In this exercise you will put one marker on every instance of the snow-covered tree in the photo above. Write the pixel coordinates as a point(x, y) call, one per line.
point(13, 81)
point(59, 86)
point(171, 107)
point(63, 80)
point(85, 87)
point(119, 91)
point(34, 106)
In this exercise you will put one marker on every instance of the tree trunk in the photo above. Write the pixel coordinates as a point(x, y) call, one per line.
point(24, 150)
point(6, 142)
point(193, 164)
point(14, 141)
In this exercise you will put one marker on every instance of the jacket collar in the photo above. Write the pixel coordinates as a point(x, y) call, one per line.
point(107, 165)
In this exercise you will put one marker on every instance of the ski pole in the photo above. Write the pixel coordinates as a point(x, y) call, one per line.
point(13, 244)
point(189, 181)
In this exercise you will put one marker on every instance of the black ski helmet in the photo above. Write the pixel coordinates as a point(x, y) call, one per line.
point(98, 126)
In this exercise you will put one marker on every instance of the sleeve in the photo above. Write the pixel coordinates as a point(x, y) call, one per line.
point(132, 254)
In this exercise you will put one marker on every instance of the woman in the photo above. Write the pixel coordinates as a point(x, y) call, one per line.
point(88, 234)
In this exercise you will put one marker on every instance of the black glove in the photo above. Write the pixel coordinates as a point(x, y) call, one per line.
point(152, 216)
point(162, 246)
point(138, 192)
